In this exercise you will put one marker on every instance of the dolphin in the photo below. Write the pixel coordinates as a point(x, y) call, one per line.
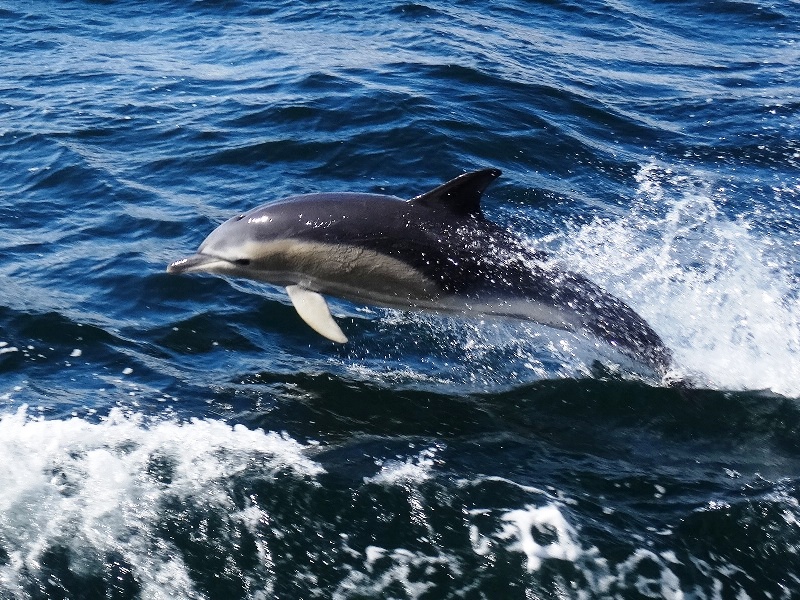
point(435, 252)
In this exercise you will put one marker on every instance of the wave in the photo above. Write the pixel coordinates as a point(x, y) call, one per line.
point(135, 506)
point(87, 503)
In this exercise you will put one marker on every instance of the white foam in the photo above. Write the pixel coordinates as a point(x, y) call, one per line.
point(386, 570)
point(546, 519)
point(595, 576)
point(96, 488)
point(411, 471)
point(541, 534)
point(721, 295)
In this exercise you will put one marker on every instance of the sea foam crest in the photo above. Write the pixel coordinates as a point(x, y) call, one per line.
point(99, 489)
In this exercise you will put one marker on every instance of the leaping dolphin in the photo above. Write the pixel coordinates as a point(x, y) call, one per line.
point(434, 252)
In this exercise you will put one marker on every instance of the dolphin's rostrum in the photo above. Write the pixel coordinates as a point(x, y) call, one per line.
point(435, 252)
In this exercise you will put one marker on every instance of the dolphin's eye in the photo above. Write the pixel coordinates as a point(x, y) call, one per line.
point(242, 262)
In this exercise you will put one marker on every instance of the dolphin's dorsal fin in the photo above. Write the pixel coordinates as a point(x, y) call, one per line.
point(313, 309)
point(461, 195)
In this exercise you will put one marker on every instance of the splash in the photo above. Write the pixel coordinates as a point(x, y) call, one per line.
point(98, 493)
point(721, 294)
point(408, 472)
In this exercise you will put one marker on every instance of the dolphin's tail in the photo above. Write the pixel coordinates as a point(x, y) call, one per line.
point(613, 321)
point(624, 329)
point(620, 326)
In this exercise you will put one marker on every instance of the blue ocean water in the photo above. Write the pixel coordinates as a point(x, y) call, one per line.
point(191, 437)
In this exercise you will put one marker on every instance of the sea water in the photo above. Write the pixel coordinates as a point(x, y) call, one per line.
point(190, 437)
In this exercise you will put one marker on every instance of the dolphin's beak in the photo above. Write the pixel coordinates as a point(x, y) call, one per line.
point(190, 264)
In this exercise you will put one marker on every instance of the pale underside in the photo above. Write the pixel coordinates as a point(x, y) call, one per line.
point(310, 269)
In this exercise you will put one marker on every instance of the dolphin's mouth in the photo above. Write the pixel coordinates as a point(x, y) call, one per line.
point(197, 262)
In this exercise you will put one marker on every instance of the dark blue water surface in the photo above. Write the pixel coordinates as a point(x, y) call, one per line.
point(190, 437)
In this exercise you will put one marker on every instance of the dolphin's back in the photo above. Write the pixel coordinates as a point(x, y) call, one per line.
point(462, 254)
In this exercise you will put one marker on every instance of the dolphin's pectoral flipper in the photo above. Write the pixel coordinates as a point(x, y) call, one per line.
point(313, 309)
